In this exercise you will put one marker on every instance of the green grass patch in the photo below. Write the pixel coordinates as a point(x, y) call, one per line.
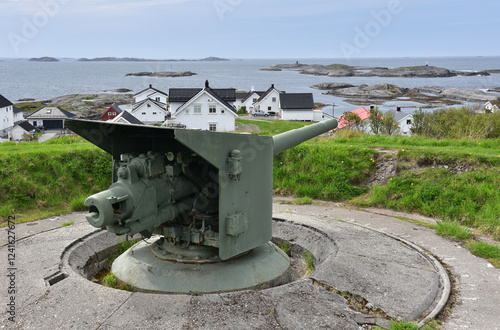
point(272, 126)
point(122, 247)
point(309, 261)
point(303, 201)
point(69, 223)
point(484, 250)
point(285, 246)
point(110, 280)
point(453, 229)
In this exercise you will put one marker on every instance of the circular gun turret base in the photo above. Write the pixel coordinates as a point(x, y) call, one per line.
point(264, 266)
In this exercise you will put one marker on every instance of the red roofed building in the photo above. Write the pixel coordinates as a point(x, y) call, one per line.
point(362, 112)
point(112, 112)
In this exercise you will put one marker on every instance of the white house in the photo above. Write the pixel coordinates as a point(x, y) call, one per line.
point(296, 106)
point(491, 106)
point(49, 117)
point(126, 117)
point(404, 121)
point(151, 93)
point(247, 100)
point(150, 111)
point(18, 115)
point(17, 132)
point(6, 116)
point(319, 115)
point(205, 110)
point(179, 96)
point(269, 101)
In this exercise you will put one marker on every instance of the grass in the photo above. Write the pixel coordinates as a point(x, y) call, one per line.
point(309, 261)
point(110, 280)
point(272, 126)
point(484, 250)
point(285, 246)
point(303, 201)
point(122, 247)
point(69, 223)
point(453, 229)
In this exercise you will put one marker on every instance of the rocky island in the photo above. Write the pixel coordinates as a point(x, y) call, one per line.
point(135, 59)
point(433, 96)
point(342, 70)
point(44, 59)
point(166, 74)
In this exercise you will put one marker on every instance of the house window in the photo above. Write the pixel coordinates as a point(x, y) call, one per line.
point(187, 111)
point(143, 113)
point(154, 113)
point(149, 105)
point(221, 110)
point(212, 108)
point(269, 108)
point(254, 100)
point(274, 99)
point(212, 127)
point(157, 99)
point(197, 108)
point(408, 122)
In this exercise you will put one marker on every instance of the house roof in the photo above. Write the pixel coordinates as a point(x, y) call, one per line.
point(259, 94)
point(398, 115)
point(128, 117)
point(116, 108)
point(51, 113)
point(362, 112)
point(185, 94)
point(26, 126)
point(153, 89)
point(242, 95)
point(158, 104)
point(266, 93)
point(4, 102)
point(211, 92)
point(296, 101)
point(17, 110)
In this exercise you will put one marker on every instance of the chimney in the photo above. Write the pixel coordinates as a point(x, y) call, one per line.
point(372, 107)
point(272, 85)
point(150, 86)
point(206, 84)
point(252, 88)
point(398, 108)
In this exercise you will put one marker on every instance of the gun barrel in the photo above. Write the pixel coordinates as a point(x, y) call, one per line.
point(295, 137)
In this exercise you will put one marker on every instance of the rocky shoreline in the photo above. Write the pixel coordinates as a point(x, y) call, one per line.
point(342, 70)
point(165, 74)
point(430, 96)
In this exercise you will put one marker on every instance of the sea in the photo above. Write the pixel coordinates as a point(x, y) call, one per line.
point(21, 78)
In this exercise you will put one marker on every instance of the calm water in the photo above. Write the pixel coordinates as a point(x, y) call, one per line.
point(41, 81)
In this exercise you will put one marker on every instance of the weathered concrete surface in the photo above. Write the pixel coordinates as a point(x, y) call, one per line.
point(355, 260)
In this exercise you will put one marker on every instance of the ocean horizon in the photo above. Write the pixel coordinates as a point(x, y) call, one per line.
point(21, 78)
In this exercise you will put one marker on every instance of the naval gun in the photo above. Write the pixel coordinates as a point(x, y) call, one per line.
point(205, 196)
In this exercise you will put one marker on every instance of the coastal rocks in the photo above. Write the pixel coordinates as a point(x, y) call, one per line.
point(432, 96)
point(166, 74)
point(331, 86)
point(494, 89)
point(84, 105)
point(383, 91)
point(342, 70)
point(43, 59)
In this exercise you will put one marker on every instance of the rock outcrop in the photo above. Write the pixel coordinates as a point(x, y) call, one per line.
point(166, 74)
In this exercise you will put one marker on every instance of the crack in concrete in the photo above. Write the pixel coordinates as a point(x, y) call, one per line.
point(116, 310)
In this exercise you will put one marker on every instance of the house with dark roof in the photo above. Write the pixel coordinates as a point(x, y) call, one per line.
point(6, 116)
point(49, 118)
point(179, 96)
point(269, 101)
point(296, 106)
point(112, 112)
point(403, 120)
point(150, 111)
point(151, 93)
point(206, 109)
point(126, 117)
point(17, 132)
point(247, 99)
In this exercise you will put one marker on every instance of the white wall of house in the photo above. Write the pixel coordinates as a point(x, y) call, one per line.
point(405, 124)
point(206, 113)
point(6, 120)
point(270, 102)
point(319, 115)
point(297, 114)
point(174, 106)
point(17, 133)
point(149, 113)
point(18, 117)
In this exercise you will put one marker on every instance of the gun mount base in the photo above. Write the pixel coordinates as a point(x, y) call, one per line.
point(262, 267)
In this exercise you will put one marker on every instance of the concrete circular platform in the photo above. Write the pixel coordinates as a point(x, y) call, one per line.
point(389, 275)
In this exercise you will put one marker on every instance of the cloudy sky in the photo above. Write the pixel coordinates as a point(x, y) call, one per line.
point(164, 29)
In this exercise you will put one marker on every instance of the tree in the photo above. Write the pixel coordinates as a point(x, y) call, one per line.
point(389, 125)
point(420, 123)
point(375, 120)
point(354, 122)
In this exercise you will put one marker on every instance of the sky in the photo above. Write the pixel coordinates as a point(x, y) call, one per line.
point(194, 29)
